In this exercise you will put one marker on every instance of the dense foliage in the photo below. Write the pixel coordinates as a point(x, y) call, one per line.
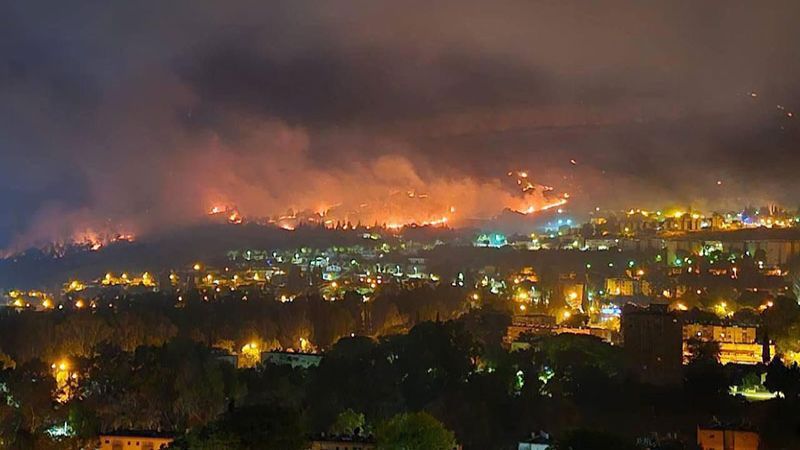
point(148, 365)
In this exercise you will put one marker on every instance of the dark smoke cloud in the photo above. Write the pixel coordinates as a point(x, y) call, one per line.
point(138, 115)
point(367, 86)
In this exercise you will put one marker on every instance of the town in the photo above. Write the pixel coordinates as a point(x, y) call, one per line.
point(668, 299)
point(376, 225)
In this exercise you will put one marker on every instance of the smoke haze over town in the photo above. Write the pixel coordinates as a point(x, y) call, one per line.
point(140, 116)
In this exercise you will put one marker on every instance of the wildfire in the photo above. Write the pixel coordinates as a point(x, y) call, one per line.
point(234, 218)
point(555, 204)
point(536, 198)
point(426, 205)
point(231, 214)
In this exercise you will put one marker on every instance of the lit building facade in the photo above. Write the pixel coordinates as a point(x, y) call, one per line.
point(738, 344)
point(133, 441)
point(721, 438)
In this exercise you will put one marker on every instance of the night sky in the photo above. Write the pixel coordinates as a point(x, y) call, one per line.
point(144, 114)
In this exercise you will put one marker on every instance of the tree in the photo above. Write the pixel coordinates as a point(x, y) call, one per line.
point(432, 357)
point(414, 431)
point(170, 387)
point(565, 353)
point(366, 379)
point(780, 317)
point(29, 408)
point(704, 351)
point(6, 362)
point(81, 332)
point(386, 317)
point(789, 341)
point(785, 380)
point(705, 379)
point(489, 328)
point(348, 422)
point(263, 427)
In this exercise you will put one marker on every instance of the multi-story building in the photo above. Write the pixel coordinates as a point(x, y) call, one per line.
point(652, 342)
point(529, 323)
point(737, 344)
point(776, 246)
point(544, 325)
point(627, 287)
point(597, 244)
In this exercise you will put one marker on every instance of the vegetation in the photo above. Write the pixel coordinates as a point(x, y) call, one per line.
point(439, 381)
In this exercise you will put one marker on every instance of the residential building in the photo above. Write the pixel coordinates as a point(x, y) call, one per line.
point(294, 359)
point(545, 325)
point(334, 442)
point(537, 441)
point(626, 287)
point(652, 342)
point(737, 344)
point(342, 443)
point(134, 440)
point(597, 244)
point(529, 323)
point(718, 437)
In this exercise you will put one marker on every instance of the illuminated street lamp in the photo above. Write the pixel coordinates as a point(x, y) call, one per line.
point(64, 375)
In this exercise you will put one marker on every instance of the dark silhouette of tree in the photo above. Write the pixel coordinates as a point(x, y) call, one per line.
point(261, 427)
point(785, 380)
point(29, 408)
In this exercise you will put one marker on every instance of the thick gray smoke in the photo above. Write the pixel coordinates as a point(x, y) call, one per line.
point(128, 117)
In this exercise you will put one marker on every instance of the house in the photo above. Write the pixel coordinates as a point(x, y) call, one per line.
point(294, 359)
point(134, 440)
point(537, 441)
point(342, 442)
point(721, 437)
point(346, 442)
